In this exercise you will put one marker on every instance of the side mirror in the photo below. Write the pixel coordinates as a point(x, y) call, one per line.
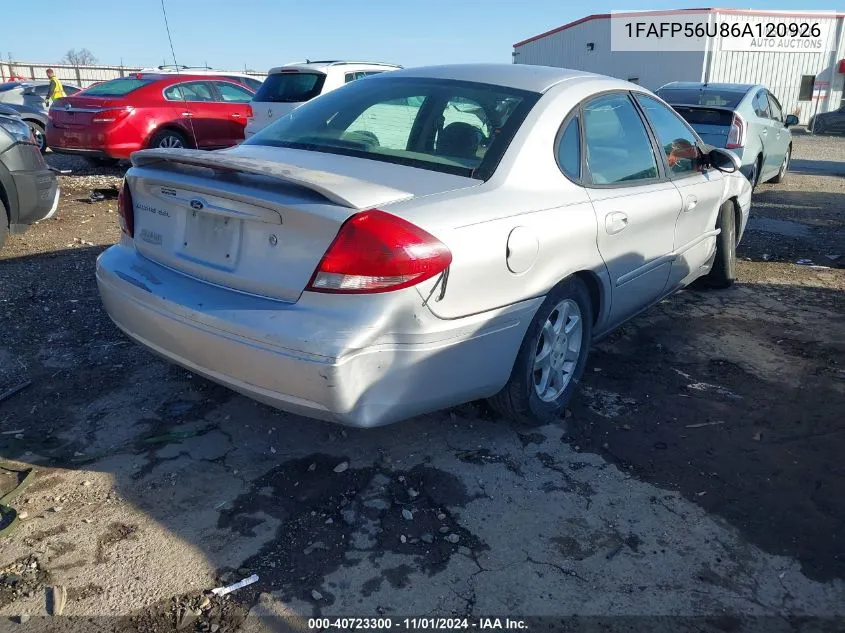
point(723, 160)
point(791, 119)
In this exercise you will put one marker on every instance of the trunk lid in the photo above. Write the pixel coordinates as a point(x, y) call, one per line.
point(258, 220)
point(712, 124)
point(77, 112)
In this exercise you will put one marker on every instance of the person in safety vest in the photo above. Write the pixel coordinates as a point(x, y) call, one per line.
point(56, 90)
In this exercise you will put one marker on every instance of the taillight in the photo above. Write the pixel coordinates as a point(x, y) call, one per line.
point(736, 136)
point(125, 210)
point(110, 115)
point(249, 111)
point(375, 251)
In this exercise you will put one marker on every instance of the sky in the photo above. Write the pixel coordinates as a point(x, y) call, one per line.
point(260, 34)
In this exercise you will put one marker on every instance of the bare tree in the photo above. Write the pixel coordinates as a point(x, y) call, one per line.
point(81, 57)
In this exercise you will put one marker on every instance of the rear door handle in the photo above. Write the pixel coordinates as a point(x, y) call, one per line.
point(765, 131)
point(690, 203)
point(615, 222)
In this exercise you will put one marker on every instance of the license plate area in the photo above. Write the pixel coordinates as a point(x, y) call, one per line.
point(212, 239)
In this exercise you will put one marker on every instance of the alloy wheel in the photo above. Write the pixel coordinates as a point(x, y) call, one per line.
point(558, 349)
point(170, 142)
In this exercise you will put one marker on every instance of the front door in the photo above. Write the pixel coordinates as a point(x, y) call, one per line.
point(700, 190)
point(197, 108)
point(635, 205)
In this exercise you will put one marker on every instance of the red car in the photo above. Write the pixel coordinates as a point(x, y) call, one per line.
point(109, 121)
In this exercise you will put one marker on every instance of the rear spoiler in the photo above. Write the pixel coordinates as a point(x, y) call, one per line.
point(343, 190)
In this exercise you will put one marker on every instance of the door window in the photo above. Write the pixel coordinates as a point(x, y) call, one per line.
point(617, 146)
point(232, 93)
point(761, 105)
point(191, 91)
point(677, 140)
point(774, 107)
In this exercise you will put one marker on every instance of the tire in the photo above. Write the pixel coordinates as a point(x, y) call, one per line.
point(97, 161)
point(168, 139)
point(40, 135)
point(784, 166)
point(568, 304)
point(723, 273)
point(4, 223)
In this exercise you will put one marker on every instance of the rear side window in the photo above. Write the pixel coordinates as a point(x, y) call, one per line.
point(117, 87)
point(677, 140)
point(761, 105)
point(774, 107)
point(195, 91)
point(359, 75)
point(232, 93)
point(617, 144)
point(290, 87)
point(250, 82)
point(569, 150)
point(721, 98)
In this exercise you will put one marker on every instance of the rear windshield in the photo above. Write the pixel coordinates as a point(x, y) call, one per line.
point(703, 116)
point(290, 87)
point(455, 127)
point(117, 87)
point(702, 96)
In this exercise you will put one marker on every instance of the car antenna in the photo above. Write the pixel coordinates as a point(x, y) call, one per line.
point(178, 72)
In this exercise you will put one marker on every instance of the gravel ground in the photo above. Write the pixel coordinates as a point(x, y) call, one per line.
point(697, 477)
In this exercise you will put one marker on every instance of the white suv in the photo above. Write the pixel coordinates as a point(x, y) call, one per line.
point(289, 86)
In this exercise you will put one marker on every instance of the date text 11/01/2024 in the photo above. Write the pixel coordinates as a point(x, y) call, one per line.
point(412, 624)
point(723, 29)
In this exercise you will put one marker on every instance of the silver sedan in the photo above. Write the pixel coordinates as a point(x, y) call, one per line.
point(421, 239)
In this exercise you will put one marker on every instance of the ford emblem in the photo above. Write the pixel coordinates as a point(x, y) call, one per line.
point(197, 204)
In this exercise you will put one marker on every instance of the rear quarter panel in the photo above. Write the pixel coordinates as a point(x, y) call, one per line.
point(528, 210)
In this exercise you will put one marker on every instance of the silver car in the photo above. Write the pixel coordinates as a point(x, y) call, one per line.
point(744, 118)
point(421, 239)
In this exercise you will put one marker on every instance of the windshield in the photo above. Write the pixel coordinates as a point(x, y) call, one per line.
point(721, 98)
point(116, 87)
point(454, 127)
point(290, 87)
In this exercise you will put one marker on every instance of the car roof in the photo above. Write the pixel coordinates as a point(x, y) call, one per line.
point(726, 87)
point(193, 70)
point(518, 76)
point(324, 65)
point(178, 77)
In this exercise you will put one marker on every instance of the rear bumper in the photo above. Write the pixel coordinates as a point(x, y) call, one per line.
point(118, 142)
point(33, 188)
point(326, 357)
point(91, 153)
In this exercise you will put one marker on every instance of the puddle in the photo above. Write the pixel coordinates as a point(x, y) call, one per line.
point(787, 228)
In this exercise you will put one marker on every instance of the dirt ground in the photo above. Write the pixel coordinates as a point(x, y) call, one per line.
point(698, 479)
